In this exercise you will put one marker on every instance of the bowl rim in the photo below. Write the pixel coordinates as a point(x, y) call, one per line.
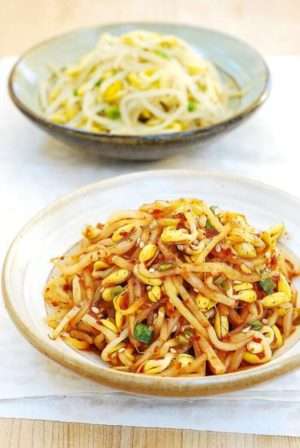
point(133, 139)
point(180, 387)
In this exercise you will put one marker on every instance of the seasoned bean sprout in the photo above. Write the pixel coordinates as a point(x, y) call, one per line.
point(175, 288)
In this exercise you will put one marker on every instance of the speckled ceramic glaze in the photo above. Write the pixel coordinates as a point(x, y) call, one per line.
point(54, 230)
point(234, 58)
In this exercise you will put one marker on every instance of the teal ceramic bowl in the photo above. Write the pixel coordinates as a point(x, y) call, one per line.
point(235, 60)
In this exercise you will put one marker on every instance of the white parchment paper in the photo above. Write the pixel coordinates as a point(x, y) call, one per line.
point(35, 170)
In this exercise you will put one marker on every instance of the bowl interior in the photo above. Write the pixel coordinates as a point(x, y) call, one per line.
point(55, 230)
point(234, 58)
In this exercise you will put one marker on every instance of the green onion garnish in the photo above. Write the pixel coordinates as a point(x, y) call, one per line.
point(143, 333)
point(192, 106)
point(209, 225)
point(162, 54)
point(256, 325)
point(267, 285)
point(113, 112)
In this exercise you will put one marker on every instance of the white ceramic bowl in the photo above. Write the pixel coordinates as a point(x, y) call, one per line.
point(54, 230)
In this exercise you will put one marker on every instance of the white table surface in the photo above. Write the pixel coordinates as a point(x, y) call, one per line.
point(35, 170)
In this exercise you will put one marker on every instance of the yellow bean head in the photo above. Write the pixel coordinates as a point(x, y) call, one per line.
point(110, 293)
point(116, 278)
point(154, 294)
point(204, 303)
point(118, 235)
point(245, 250)
point(248, 296)
point(172, 235)
point(100, 265)
point(185, 359)
point(147, 253)
point(276, 299)
point(283, 286)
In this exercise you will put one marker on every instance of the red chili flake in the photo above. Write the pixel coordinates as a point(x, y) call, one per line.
point(181, 217)
point(273, 262)
point(114, 359)
point(160, 258)
point(226, 338)
point(224, 254)
point(66, 288)
point(108, 259)
point(125, 301)
point(259, 291)
point(195, 338)
point(170, 309)
point(182, 321)
point(110, 313)
point(105, 306)
point(257, 339)
point(125, 234)
point(210, 233)
point(157, 213)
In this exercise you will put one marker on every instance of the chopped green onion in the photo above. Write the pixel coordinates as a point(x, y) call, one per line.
point(75, 92)
point(143, 333)
point(162, 54)
point(192, 106)
point(98, 83)
point(267, 285)
point(209, 225)
point(256, 325)
point(113, 112)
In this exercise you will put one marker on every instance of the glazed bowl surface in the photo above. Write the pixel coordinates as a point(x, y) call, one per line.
point(235, 60)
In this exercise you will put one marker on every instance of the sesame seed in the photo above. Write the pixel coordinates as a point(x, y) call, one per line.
point(172, 350)
point(95, 310)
